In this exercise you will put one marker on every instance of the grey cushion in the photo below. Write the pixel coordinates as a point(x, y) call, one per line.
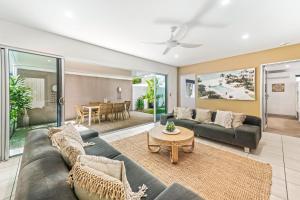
point(137, 176)
point(214, 131)
point(178, 192)
point(101, 148)
point(44, 179)
point(184, 123)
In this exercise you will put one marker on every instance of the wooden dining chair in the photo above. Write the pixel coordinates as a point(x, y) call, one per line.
point(127, 107)
point(119, 110)
point(104, 109)
point(81, 114)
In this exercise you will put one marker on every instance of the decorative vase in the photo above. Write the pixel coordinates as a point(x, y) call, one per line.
point(25, 121)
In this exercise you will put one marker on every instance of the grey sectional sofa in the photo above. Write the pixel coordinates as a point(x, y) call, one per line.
point(247, 136)
point(43, 172)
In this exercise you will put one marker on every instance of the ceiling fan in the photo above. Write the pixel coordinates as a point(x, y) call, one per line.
point(177, 33)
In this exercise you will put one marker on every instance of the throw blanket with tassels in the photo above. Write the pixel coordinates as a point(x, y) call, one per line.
point(84, 175)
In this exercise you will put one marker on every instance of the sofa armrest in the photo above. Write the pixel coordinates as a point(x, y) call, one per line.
point(248, 135)
point(88, 134)
point(177, 192)
point(164, 118)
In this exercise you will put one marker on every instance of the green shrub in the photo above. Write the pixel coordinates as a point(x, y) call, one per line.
point(140, 103)
point(20, 97)
point(136, 80)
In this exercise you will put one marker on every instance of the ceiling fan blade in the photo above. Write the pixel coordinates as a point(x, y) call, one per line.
point(186, 45)
point(166, 50)
point(155, 43)
point(167, 21)
point(208, 5)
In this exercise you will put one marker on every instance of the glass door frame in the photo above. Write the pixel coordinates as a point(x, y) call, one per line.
point(155, 94)
point(4, 78)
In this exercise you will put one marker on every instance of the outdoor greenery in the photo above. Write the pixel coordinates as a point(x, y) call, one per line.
point(20, 98)
point(152, 85)
point(140, 103)
point(150, 91)
point(158, 110)
point(136, 80)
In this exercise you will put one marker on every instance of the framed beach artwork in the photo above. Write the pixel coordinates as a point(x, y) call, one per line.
point(235, 85)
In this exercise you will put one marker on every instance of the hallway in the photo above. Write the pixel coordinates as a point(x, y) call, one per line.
point(283, 125)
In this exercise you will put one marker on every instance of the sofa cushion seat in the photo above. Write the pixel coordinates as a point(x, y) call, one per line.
point(214, 131)
point(88, 134)
point(137, 176)
point(184, 123)
point(178, 192)
point(101, 148)
point(44, 179)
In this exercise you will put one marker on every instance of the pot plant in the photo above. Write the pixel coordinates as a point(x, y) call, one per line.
point(140, 103)
point(20, 97)
point(150, 92)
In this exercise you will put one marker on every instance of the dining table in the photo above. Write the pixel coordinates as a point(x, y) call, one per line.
point(90, 108)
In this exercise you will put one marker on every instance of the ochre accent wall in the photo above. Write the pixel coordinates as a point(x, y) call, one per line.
point(256, 59)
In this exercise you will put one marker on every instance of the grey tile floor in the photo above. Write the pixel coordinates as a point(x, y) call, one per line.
point(282, 152)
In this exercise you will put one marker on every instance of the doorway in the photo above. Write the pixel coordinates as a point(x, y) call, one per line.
point(281, 89)
point(149, 94)
point(32, 87)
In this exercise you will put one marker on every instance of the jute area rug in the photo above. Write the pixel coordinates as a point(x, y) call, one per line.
point(212, 173)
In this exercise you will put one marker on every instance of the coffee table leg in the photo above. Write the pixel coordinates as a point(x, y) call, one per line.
point(174, 154)
point(150, 147)
point(189, 148)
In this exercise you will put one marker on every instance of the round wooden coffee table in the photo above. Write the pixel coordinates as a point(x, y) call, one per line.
point(156, 138)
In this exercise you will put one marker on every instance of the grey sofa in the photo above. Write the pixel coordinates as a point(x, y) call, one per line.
point(43, 171)
point(247, 136)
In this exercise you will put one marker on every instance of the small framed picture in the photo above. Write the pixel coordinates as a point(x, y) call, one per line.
point(278, 87)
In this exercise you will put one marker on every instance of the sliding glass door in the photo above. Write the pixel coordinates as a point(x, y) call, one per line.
point(149, 94)
point(161, 101)
point(35, 95)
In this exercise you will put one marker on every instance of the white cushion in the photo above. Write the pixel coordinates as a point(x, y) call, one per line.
point(203, 115)
point(184, 113)
point(224, 118)
point(70, 149)
point(238, 119)
point(70, 132)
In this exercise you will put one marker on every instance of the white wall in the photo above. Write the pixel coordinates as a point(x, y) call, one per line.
point(19, 36)
point(186, 101)
point(283, 103)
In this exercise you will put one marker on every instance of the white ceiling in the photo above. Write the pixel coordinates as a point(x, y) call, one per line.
point(125, 25)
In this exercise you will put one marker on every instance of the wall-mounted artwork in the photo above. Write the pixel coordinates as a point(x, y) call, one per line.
point(236, 85)
point(190, 88)
point(278, 87)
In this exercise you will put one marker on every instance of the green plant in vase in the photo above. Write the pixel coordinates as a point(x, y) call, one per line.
point(170, 126)
point(20, 99)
